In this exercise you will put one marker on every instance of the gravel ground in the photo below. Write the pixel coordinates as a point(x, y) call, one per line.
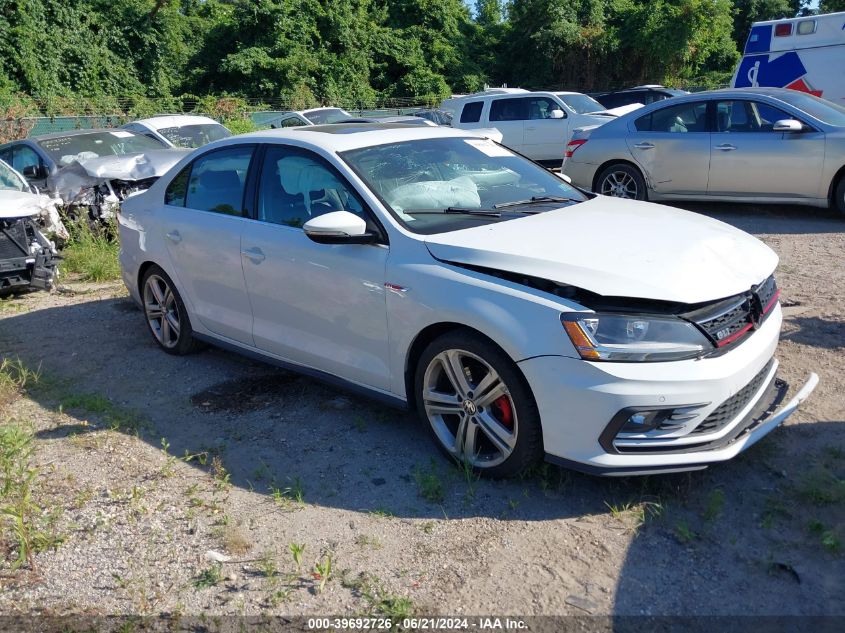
point(276, 460)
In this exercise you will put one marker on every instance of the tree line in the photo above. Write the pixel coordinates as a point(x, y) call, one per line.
point(309, 52)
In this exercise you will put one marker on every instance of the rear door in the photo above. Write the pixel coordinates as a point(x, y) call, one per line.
point(750, 159)
point(508, 115)
point(672, 145)
point(202, 223)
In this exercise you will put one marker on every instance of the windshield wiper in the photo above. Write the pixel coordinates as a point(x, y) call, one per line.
point(492, 213)
point(534, 200)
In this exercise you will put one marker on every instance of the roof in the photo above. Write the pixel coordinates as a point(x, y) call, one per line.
point(175, 120)
point(339, 137)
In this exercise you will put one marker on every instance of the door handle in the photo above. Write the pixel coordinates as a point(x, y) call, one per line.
point(254, 254)
point(644, 145)
point(726, 147)
point(174, 237)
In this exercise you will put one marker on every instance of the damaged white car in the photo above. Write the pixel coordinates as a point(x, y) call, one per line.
point(89, 172)
point(27, 257)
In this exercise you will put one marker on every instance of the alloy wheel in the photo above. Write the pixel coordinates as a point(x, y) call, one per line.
point(162, 311)
point(470, 408)
point(619, 184)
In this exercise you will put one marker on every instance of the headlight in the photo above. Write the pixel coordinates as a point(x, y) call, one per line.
point(618, 337)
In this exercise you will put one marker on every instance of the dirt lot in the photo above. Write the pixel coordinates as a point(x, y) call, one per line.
point(277, 461)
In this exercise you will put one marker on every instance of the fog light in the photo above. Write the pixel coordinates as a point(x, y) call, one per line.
point(644, 421)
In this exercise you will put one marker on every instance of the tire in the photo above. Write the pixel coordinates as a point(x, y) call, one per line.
point(839, 196)
point(621, 181)
point(165, 313)
point(498, 433)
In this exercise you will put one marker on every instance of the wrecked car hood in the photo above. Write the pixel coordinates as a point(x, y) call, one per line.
point(620, 248)
point(88, 172)
point(21, 204)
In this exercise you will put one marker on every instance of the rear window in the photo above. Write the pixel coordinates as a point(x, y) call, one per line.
point(472, 112)
point(509, 110)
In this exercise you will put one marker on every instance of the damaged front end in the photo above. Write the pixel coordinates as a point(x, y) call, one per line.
point(93, 188)
point(27, 258)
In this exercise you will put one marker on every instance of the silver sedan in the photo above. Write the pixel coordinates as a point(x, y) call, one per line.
point(768, 145)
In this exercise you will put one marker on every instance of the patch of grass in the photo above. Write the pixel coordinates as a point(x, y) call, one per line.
point(683, 532)
point(209, 577)
point(92, 252)
point(362, 540)
point(379, 600)
point(429, 484)
point(821, 487)
point(27, 527)
point(382, 513)
point(117, 418)
point(219, 473)
point(827, 537)
point(635, 514)
point(296, 551)
point(322, 571)
point(714, 505)
point(14, 377)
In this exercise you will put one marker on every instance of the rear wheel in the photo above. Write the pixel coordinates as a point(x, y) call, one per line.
point(621, 181)
point(839, 195)
point(477, 405)
point(165, 313)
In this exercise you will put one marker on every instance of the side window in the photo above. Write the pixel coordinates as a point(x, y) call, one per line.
point(291, 122)
point(541, 108)
point(23, 157)
point(174, 195)
point(472, 112)
point(217, 181)
point(509, 109)
point(767, 115)
point(747, 116)
point(297, 185)
point(643, 124)
point(680, 119)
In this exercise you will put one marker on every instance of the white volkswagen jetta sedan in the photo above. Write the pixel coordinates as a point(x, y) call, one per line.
point(521, 317)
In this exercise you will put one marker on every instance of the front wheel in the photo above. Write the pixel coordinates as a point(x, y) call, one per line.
point(621, 181)
point(477, 405)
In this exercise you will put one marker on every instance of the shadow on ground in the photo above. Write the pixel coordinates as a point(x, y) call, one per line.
point(725, 540)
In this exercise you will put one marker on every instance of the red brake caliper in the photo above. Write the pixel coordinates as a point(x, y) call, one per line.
point(502, 407)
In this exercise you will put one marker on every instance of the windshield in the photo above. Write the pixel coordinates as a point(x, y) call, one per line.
point(821, 109)
point(326, 115)
point(66, 149)
point(444, 184)
point(582, 104)
point(194, 135)
point(10, 180)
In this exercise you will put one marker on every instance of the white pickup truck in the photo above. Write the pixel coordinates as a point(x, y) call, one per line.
point(536, 124)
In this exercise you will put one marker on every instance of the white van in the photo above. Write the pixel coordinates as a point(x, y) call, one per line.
point(806, 54)
point(536, 124)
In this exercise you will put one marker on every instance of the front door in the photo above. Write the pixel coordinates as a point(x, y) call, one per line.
point(672, 145)
point(202, 221)
point(750, 159)
point(318, 305)
point(545, 138)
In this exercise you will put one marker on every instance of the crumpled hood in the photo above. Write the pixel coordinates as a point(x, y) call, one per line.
point(21, 204)
point(88, 172)
point(617, 247)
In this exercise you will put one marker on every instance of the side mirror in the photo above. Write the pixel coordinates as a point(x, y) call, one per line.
point(35, 172)
point(557, 114)
point(788, 125)
point(338, 227)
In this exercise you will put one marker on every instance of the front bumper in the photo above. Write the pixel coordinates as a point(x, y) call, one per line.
point(580, 402)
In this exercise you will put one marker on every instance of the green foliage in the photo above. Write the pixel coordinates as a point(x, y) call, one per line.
point(92, 252)
point(135, 57)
